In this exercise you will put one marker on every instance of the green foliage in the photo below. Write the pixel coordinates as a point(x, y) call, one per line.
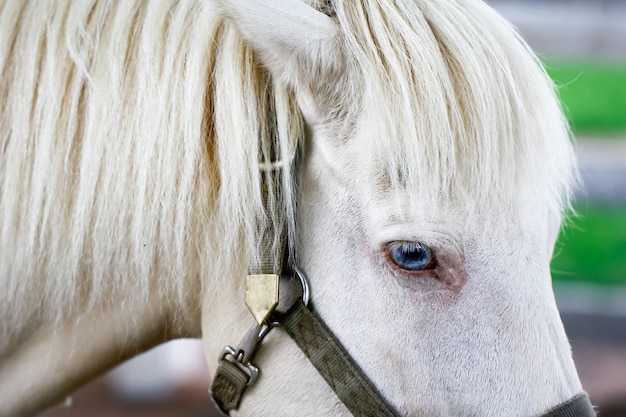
point(592, 247)
point(593, 95)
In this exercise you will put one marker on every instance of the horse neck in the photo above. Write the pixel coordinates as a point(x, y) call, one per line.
point(51, 362)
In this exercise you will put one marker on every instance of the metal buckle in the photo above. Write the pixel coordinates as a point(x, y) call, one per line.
point(248, 368)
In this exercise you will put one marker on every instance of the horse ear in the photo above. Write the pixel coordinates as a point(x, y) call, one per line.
point(297, 43)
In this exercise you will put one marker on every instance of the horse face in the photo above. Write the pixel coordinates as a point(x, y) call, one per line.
point(446, 306)
point(439, 307)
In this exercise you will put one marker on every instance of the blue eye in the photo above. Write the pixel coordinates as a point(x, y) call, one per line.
point(412, 256)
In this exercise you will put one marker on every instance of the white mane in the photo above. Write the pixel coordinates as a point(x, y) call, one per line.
point(129, 137)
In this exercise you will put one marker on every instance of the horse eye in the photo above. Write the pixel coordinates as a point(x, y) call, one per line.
point(411, 256)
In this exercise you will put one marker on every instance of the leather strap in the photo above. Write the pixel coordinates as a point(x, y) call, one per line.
point(577, 406)
point(334, 364)
point(272, 233)
point(235, 372)
point(228, 386)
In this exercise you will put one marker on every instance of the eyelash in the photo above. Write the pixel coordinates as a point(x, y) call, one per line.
point(410, 256)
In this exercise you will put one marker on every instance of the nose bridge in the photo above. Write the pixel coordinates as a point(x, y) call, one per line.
point(511, 284)
point(510, 273)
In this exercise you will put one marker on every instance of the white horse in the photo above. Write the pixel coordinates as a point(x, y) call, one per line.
point(434, 168)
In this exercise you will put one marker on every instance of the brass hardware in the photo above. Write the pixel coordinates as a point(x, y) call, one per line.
point(262, 295)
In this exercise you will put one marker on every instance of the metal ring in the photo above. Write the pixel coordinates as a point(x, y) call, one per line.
point(304, 283)
point(275, 319)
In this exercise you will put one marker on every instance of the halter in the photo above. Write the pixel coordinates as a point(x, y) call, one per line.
point(236, 372)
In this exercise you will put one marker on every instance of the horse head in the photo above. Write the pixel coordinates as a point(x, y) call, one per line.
point(432, 180)
point(425, 166)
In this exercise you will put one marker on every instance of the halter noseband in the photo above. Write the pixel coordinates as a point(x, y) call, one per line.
point(236, 372)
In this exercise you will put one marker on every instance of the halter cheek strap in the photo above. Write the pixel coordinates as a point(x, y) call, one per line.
point(334, 364)
point(326, 354)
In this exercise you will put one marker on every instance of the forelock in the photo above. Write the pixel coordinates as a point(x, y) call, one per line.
point(455, 103)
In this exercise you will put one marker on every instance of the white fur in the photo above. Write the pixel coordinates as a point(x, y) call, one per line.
point(129, 173)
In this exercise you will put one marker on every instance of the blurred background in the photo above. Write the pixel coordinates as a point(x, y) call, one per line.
point(583, 46)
